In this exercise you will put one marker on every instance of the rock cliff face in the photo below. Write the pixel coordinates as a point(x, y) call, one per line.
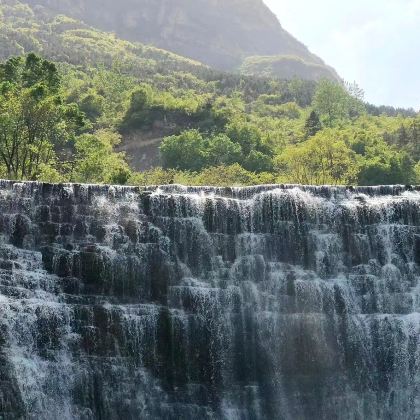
point(220, 33)
point(276, 302)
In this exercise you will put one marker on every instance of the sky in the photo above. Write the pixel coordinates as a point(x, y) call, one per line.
point(375, 43)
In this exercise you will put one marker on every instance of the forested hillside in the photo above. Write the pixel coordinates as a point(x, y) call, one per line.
point(220, 33)
point(61, 38)
point(90, 107)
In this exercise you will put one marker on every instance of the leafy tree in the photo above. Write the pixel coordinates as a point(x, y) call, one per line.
point(220, 175)
point(30, 71)
point(191, 151)
point(242, 143)
point(231, 176)
point(300, 91)
point(334, 103)
point(312, 125)
point(289, 110)
point(258, 162)
point(379, 163)
point(323, 159)
point(413, 146)
point(96, 160)
point(138, 112)
point(247, 135)
point(34, 120)
point(186, 151)
point(92, 105)
point(387, 169)
point(155, 176)
point(228, 109)
point(389, 111)
point(408, 137)
point(220, 150)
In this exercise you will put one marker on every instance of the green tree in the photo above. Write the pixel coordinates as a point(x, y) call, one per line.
point(334, 103)
point(92, 105)
point(380, 163)
point(220, 150)
point(231, 176)
point(313, 124)
point(30, 71)
point(138, 113)
point(257, 161)
point(96, 161)
point(34, 120)
point(247, 135)
point(323, 159)
point(226, 109)
point(186, 151)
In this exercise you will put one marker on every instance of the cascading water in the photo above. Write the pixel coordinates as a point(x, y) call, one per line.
point(276, 302)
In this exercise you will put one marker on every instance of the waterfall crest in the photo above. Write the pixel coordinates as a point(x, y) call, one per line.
point(272, 302)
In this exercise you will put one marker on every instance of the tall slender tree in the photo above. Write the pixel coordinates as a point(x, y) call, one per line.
point(312, 125)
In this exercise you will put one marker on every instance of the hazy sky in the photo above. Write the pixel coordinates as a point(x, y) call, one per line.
point(375, 43)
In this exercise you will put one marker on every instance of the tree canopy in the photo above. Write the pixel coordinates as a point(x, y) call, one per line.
point(66, 123)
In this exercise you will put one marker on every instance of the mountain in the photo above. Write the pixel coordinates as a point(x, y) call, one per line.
point(25, 29)
point(219, 33)
point(101, 71)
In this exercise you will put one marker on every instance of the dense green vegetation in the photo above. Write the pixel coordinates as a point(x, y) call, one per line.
point(43, 137)
point(64, 125)
point(282, 66)
point(63, 117)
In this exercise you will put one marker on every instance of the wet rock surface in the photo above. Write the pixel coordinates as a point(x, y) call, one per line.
point(177, 302)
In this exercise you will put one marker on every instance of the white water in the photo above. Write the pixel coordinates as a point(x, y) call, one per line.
point(180, 303)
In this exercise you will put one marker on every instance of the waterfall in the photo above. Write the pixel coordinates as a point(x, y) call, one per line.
point(273, 302)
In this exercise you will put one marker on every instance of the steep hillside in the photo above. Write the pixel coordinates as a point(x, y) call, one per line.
point(220, 33)
point(25, 29)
